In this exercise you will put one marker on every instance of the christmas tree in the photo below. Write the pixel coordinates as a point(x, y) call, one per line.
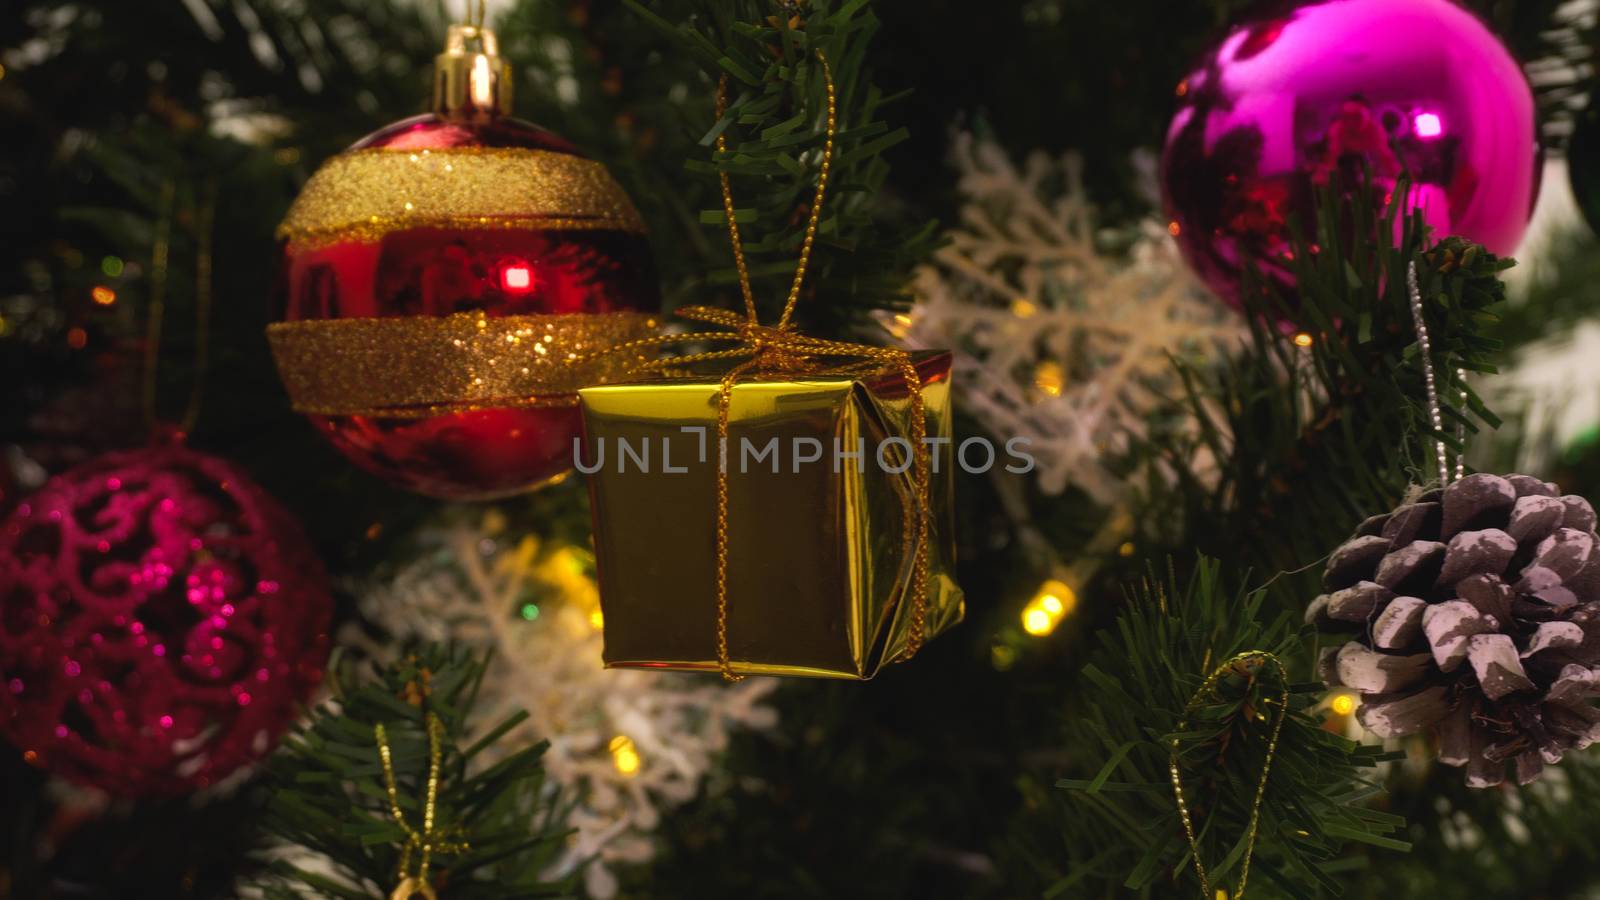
point(1193, 348)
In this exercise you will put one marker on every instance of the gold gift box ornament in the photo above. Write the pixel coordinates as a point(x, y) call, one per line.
point(821, 507)
point(721, 544)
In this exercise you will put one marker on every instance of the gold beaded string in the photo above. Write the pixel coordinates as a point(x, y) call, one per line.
point(1240, 663)
point(816, 201)
point(725, 393)
point(424, 842)
point(727, 200)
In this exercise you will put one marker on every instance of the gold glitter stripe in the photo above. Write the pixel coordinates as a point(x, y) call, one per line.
point(420, 366)
point(366, 194)
point(372, 232)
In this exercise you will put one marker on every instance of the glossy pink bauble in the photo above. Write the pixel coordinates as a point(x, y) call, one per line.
point(1418, 88)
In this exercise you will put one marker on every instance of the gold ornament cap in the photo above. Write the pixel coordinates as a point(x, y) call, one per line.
point(470, 80)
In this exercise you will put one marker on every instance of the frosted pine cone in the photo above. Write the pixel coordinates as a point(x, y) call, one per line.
point(1478, 608)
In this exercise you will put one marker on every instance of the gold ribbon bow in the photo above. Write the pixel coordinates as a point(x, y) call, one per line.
point(422, 842)
point(781, 348)
point(1246, 663)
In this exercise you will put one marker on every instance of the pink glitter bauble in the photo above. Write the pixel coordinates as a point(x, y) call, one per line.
point(161, 619)
point(1418, 88)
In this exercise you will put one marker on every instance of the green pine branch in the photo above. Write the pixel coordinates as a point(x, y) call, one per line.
point(1120, 825)
point(329, 791)
point(775, 124)
point(1308, 441)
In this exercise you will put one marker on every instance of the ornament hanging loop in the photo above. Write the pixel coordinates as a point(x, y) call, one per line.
point(782, 347)
point(470, 80)
point(1248, 664)
point(421, 842)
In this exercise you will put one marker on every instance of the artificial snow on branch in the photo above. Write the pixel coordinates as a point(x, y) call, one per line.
point(625, 745)
point(1065, 332)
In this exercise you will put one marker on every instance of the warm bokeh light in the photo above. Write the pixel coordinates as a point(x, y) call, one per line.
point(1049, 378)
point(1037, 622)
point(1302, 339)
point(103, 295)
point(625, 755)
point(1022, 308)
point(1054, 601)
point(1057, 593)
point(1343, 703)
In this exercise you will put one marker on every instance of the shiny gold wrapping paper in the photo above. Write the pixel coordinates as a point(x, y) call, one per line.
point(820, 561)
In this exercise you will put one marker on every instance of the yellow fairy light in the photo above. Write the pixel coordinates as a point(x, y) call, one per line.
point(1054, 601)
point(1343, 703)
point(1049, 378)
point(1302, 339)
point(1037, 622)
point(1057, 597)
point(597, 620)
point(1126, 549)
point(624, 755)
point(103, 295)
point(1022, 308)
